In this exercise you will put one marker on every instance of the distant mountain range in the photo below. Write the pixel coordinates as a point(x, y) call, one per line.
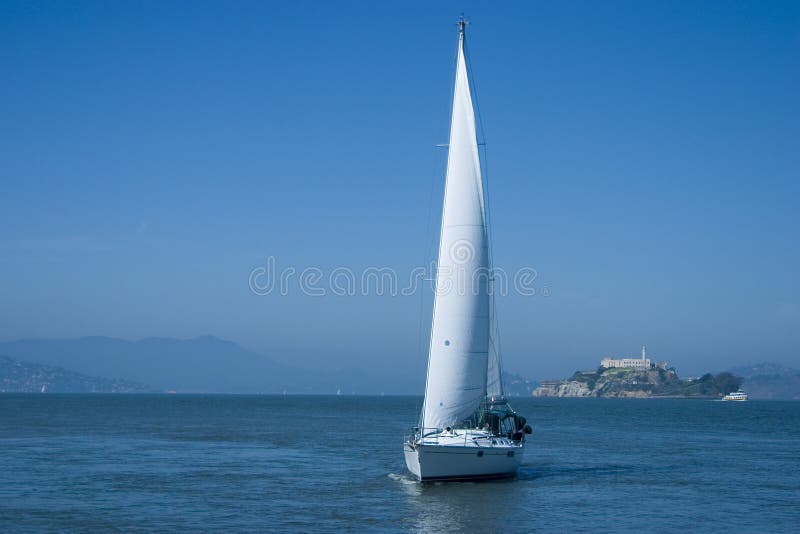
point(26, 377)
point(769, 381)
point(200, 365)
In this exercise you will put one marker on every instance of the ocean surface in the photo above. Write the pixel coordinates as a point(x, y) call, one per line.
point(259, 463)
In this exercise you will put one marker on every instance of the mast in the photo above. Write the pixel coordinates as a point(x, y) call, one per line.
point(459, 344)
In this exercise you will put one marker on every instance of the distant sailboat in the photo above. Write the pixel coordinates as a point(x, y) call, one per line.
point(467, 430)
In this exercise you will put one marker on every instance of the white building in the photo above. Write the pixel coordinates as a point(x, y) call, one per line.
point(628, 363)
point(632, 363)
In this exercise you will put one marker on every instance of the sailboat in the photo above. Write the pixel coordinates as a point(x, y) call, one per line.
point(467, 430)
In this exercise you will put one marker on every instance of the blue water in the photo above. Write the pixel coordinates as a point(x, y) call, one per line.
point(212, 463)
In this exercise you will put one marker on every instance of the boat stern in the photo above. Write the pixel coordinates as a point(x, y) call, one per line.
point(463, 460)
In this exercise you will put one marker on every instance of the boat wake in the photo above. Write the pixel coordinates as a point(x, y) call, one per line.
point(403, 479)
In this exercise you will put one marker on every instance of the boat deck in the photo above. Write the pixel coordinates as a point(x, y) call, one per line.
point(467, 438)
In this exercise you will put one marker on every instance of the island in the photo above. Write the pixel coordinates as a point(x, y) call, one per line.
point(638, 378)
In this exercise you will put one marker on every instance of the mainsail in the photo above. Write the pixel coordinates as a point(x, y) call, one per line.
point(458, 358)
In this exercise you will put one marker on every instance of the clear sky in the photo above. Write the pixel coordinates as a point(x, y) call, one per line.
point(643, 157)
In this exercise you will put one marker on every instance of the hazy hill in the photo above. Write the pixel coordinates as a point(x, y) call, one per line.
point(203, 364)
point(26, 377)
point(770, 381)
point(518, 386)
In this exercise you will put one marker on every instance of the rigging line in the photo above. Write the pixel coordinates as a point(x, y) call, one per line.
point(482, 142)
point(489, 207)
point(426, 254)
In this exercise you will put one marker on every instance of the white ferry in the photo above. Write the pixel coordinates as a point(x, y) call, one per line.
point(735, 396)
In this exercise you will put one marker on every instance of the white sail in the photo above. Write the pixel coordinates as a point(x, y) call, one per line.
point(459, 345)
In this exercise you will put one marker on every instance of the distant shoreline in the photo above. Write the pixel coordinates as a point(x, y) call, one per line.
point(31, 394)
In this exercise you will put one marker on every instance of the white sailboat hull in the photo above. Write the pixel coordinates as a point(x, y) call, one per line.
point(429, 462)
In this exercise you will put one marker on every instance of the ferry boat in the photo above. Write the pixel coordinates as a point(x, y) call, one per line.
point(735, 396)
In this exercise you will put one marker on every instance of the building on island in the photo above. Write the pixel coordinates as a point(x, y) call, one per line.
point(642, 363)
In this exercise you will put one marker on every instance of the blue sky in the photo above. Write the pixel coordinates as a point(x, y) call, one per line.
point(642, 156)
